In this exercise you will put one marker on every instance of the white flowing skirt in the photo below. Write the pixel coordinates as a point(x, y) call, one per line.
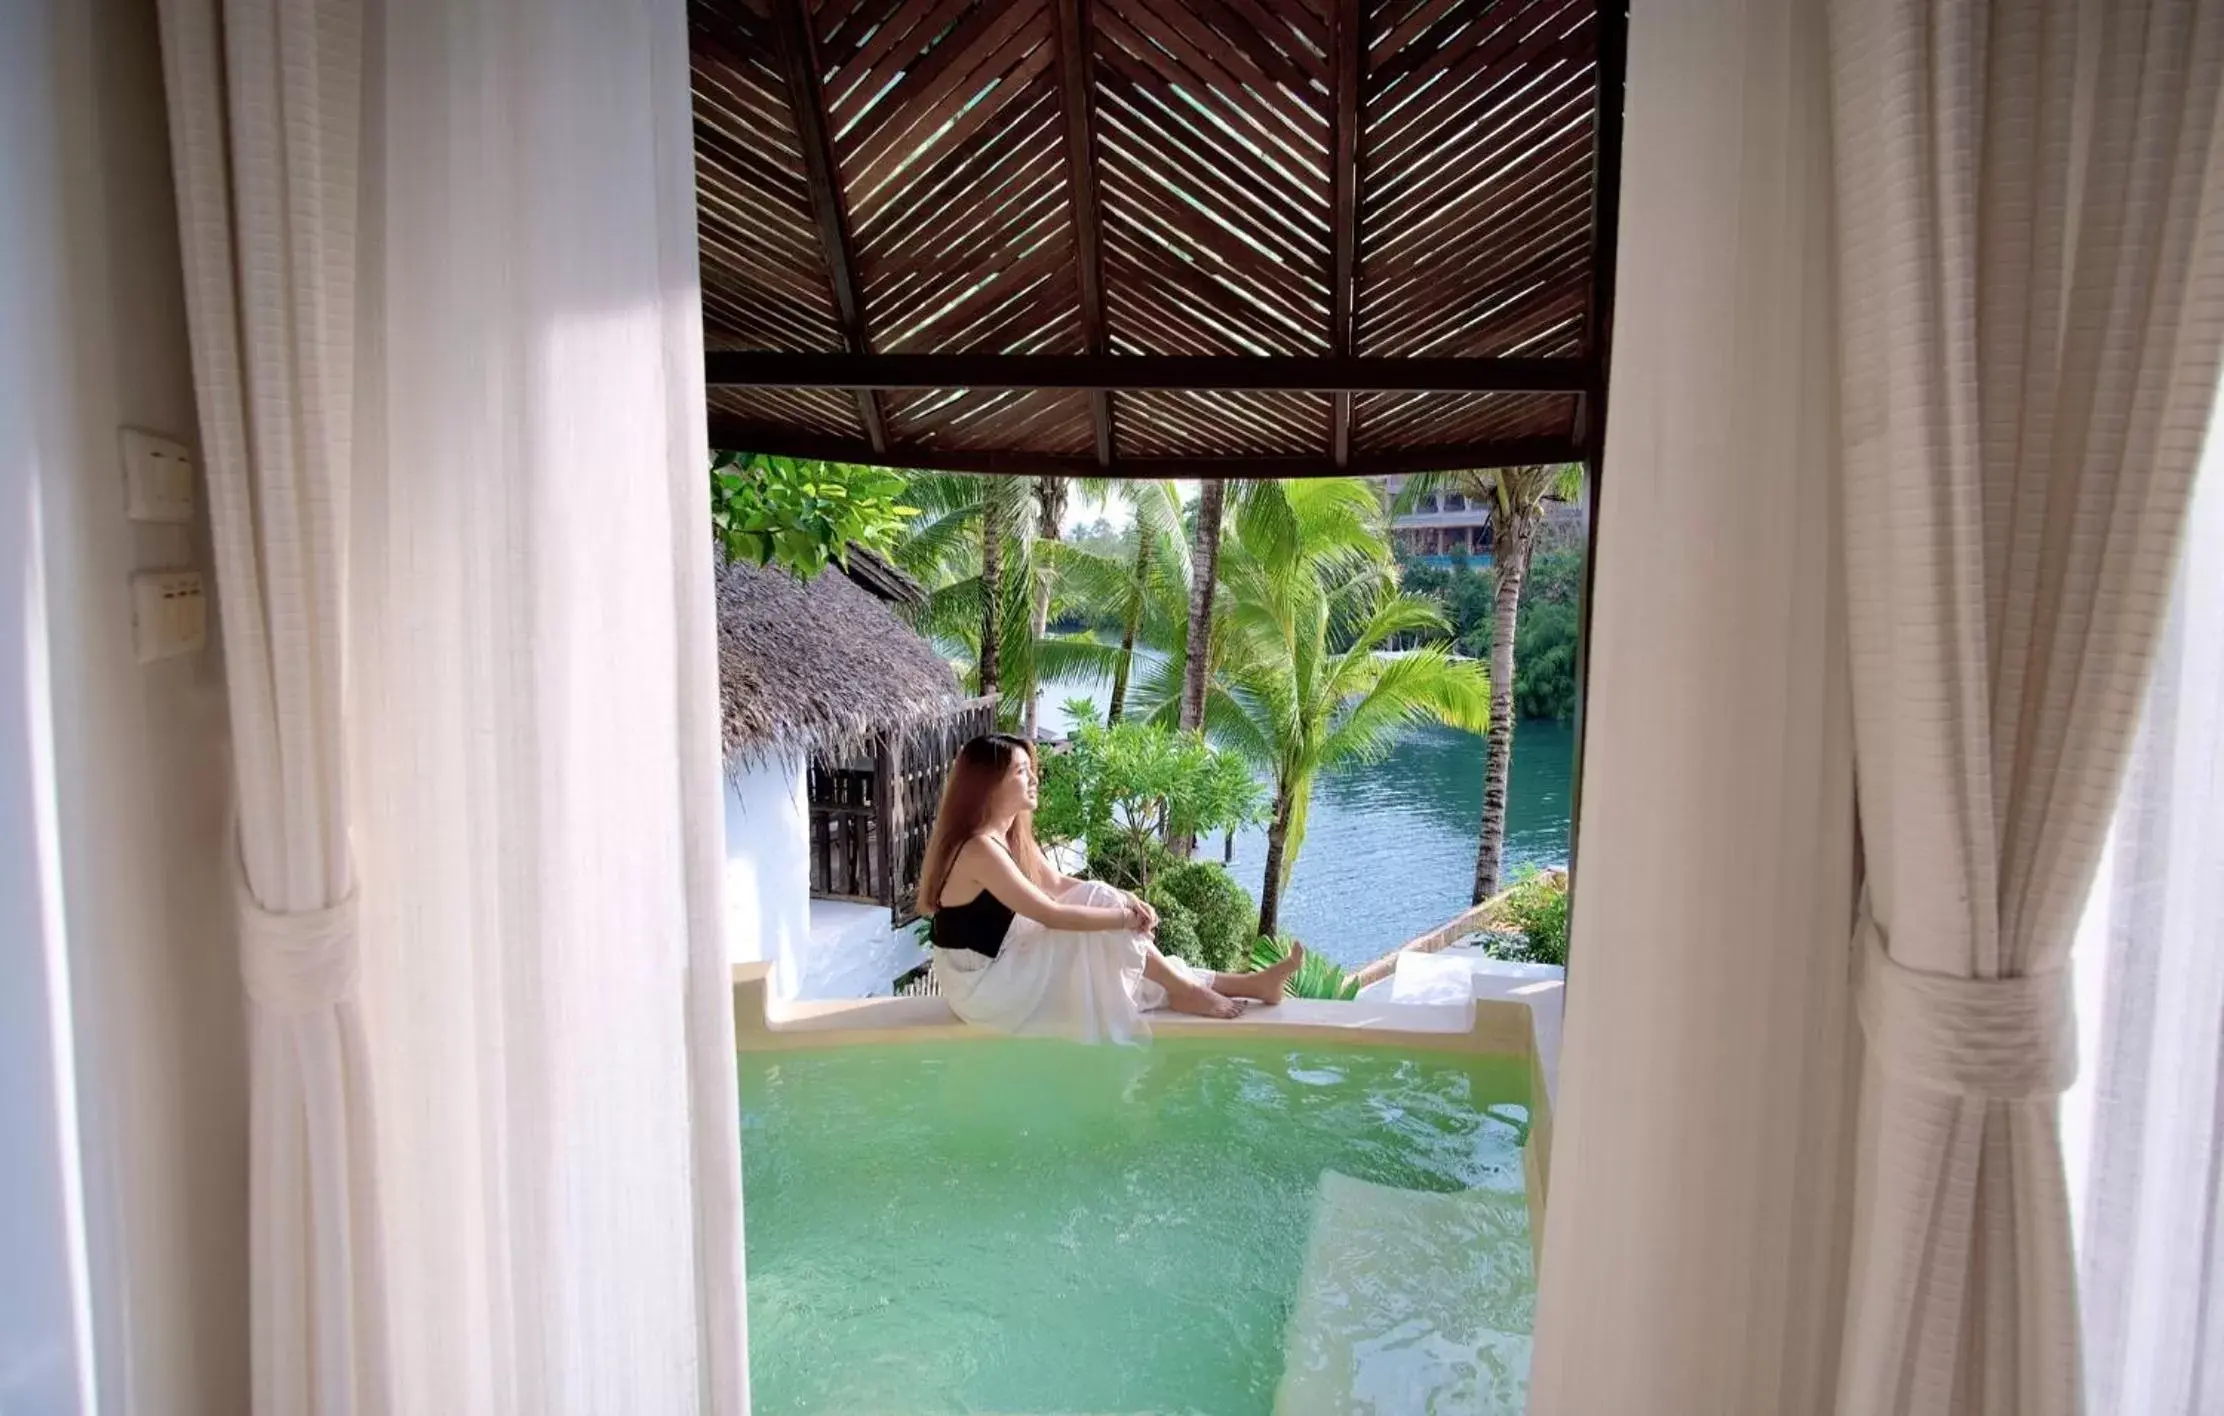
point(1044, 982)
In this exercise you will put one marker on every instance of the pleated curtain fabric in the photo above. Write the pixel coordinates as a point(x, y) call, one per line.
point(265, 102)
point(540, 809)
point(1694, 1243)
point(447, 336)
point(2151, 1245)
point(2030, 234)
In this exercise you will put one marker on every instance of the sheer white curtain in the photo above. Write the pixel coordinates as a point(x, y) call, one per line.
point(264, 118)
point(2151, 1246)
point(2029, 244)
point(1693, 1239)
point(471, 527)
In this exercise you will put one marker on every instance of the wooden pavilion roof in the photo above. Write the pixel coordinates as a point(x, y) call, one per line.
point(1213, 238)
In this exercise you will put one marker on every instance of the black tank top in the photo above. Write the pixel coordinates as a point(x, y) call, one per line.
point(978, 924)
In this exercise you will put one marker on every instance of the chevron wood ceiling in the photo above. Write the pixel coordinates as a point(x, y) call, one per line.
point(1158, 237)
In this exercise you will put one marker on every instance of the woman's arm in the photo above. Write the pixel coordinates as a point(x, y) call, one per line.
point(994, 867)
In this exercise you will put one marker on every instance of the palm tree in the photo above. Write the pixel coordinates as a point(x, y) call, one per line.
point(973, 546)
point(1516, 497)
point(1312, 601)
point(1050, 515)
point(1212, 501)
point(1161, 557)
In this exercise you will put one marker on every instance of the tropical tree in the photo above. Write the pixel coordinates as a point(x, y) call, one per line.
point(1156, 567)
point(974, 547)
point(1312, 605)
point(1050, 515)
point(800, 513)
point(1212, 501)
point(1516, 497)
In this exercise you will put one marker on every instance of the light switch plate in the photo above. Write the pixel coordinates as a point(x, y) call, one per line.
point(169, 612)
point(158, 477)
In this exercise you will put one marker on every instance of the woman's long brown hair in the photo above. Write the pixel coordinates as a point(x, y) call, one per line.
point(980, 768)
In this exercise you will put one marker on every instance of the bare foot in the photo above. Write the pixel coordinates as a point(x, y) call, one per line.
point(1267, 984)
point(1201, 1002)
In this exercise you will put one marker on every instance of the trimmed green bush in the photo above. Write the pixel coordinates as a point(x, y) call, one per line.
point(1177, 928)
point(1224, 912)
point(1125, 861)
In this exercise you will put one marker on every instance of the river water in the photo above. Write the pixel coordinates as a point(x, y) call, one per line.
point(1390, 848)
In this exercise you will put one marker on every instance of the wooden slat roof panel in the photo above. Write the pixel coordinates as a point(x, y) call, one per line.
point(1213, 144)
point(946, 122)
point(765, 283)
point(1219, 424)
point(1415, 420)
point(1051, 421)
point(1206, 135)
point(1477, 154)
point(816, 412)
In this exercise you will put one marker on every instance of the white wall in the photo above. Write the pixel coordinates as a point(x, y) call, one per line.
point(768, 869)
point(120, 1011)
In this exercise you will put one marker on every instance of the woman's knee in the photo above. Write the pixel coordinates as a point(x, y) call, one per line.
point(1091, 892)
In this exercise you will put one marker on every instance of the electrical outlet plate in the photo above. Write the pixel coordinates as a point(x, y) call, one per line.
point(169, 611)
point(158, 477)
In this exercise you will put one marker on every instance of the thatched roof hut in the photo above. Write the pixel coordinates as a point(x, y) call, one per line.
point(821, 666)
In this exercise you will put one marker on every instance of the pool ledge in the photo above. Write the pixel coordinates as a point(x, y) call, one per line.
point(1511, 1017)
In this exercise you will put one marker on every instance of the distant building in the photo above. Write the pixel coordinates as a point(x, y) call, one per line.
point(1447, 526)
point(1444, 525)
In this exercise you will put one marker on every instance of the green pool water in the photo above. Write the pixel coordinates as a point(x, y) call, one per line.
point(1039, 1227)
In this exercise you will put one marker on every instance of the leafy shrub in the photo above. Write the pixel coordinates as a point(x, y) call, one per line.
point(1121, 860)
point(1554, 578)
point(1177, 928)
point(1544, 662)
point(1536, 909)
point(800, 513)
point(1224, 911)
point(1129, 788)
point(1315, 978)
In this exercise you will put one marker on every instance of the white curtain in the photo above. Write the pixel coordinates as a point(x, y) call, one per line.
point(264, 120)
point(471, 527)
point(2029, 244)
point(1692, 1241)
point(2151, 1242)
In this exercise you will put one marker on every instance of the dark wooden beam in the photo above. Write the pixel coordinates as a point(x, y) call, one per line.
point(1237, 372)
point(799, 55)
point(1346, 51)
point(1511, 452)
point(1606, 221)
point(1070, 31)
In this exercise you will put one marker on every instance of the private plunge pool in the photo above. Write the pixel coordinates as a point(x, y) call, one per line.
point(1237, 1219)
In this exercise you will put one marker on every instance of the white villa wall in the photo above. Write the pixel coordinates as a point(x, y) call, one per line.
point(768, 869)
point(821, 948)
point(123, 1096)
point(856, 952)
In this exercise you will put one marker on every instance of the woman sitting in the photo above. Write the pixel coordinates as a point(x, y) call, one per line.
point(1022, 949)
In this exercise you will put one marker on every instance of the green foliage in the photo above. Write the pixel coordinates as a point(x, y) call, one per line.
point(1544, 662)
point(1463, 592)
point(1135, 785)
point(1222, 910)
point(1177, 928)
point(1537, 909)
point(1120, 860)
point(800, 514)
point(1554, 578)
point(1082, 713)
point(1315, 978)
point(1544, 641)
point(1312, 601)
